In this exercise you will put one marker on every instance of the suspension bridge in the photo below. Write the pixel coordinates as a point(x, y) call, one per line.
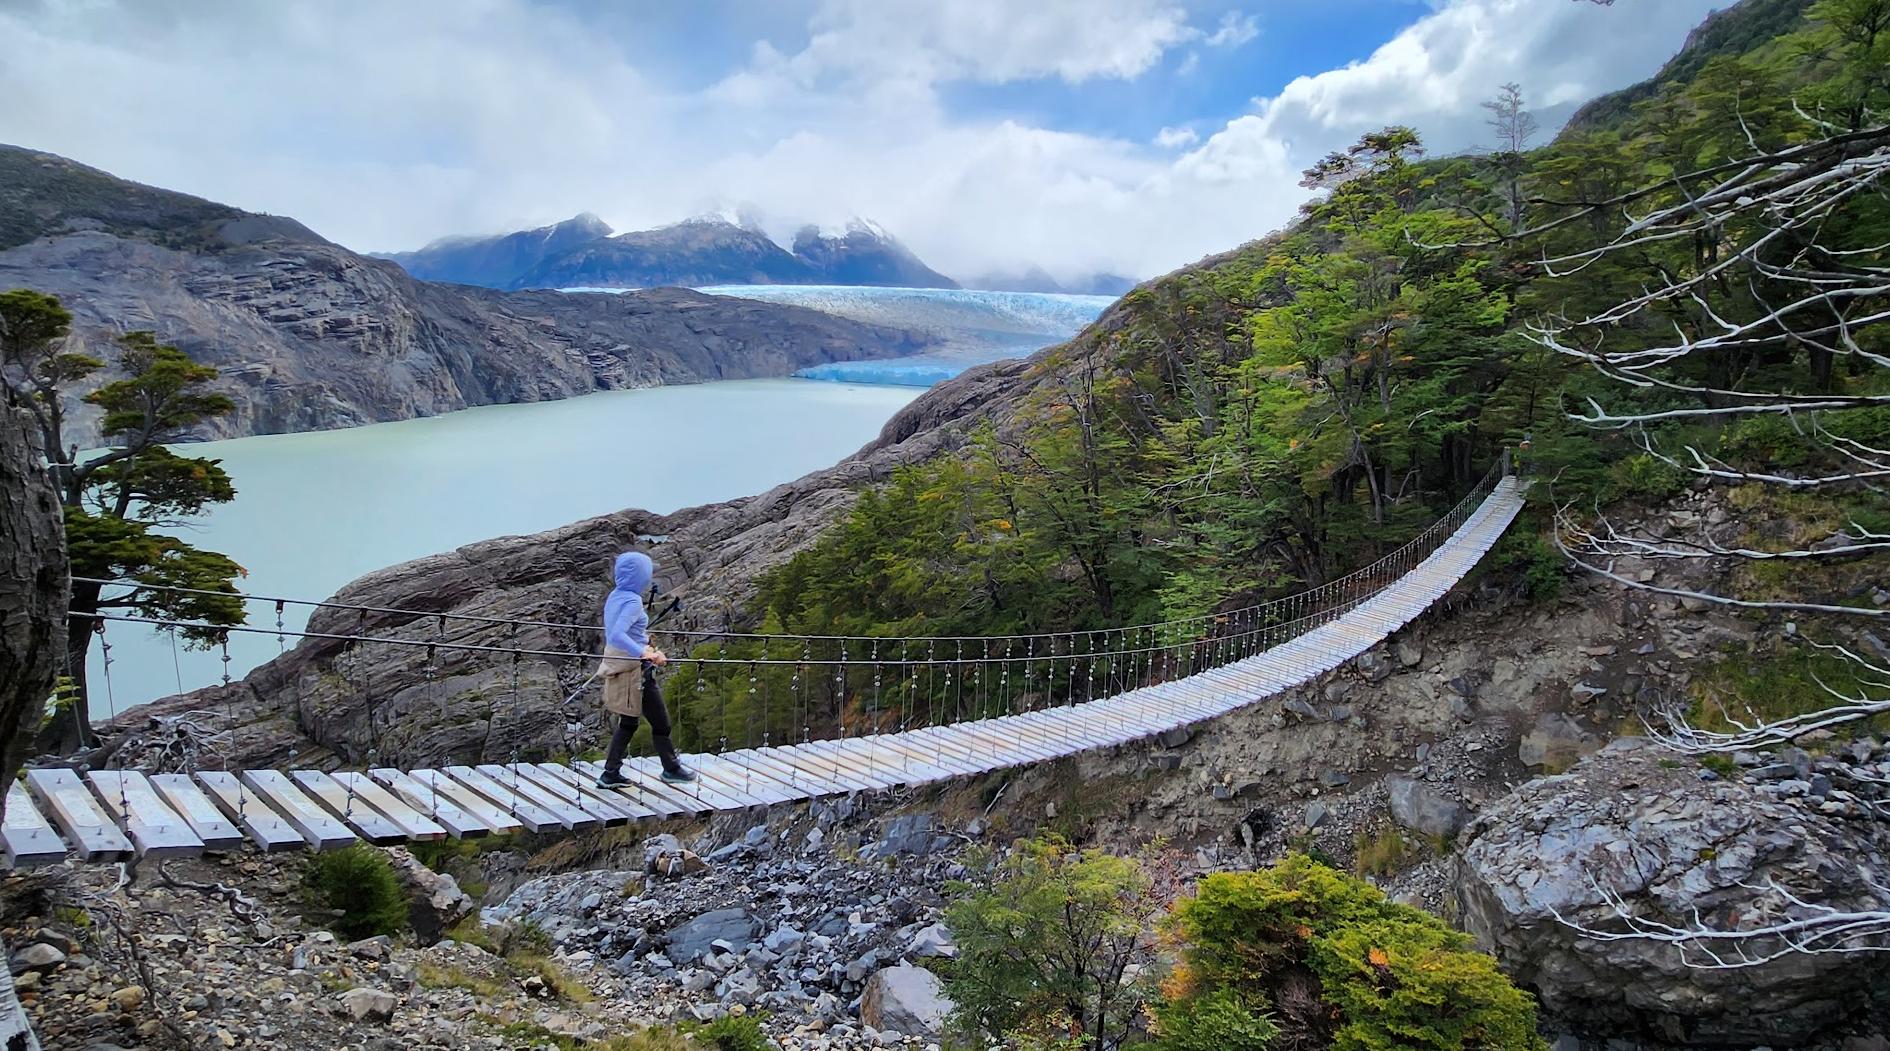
point(921, 717)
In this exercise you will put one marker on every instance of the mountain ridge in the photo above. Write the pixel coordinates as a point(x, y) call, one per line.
point(710, 249)
point(308, 335)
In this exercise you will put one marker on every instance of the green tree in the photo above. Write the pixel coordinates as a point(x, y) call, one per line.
point(117, 500)
point(1055, 945)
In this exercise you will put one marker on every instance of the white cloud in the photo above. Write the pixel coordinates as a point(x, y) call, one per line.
point(1170, 138)
point(1235, 29)
point(385, 125)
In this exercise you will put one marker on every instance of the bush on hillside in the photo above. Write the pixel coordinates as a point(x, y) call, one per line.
point(359, 884)
point(1054, 945)
point(1345, 966)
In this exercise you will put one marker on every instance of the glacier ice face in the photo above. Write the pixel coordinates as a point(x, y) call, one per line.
point(975, 326)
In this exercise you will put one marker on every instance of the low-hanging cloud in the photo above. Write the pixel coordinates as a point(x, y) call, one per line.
point(386, 125)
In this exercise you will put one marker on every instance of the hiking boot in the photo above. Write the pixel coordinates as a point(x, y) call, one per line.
point(612, 779)
point(673, 770)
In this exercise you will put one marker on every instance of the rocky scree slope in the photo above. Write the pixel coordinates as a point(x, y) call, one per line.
point(308, 335)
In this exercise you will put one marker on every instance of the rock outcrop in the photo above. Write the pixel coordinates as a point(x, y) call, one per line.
point(1633, 827)
point(308, 335)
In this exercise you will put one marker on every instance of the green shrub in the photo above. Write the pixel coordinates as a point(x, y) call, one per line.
point(1647, 478)
point(1410, 982)
point(731, 1033)
point(1045, 946)
point(1387, 975)
point(1219, 1021)
point(358, 883)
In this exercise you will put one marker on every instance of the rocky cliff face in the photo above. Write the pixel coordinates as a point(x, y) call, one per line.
point(309, 335)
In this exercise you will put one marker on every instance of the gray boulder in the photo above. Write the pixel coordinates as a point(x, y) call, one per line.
point(691, 939)
point(367, 1005)
point(435, 904)
point(1671, 848)
point(906, 1000)
point(1555, 743)
point(1425, 808)
point(911, 834)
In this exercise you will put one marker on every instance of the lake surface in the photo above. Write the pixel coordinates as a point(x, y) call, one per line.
point(316, 510)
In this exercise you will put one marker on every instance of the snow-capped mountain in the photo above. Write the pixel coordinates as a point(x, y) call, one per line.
point(496, 261)
point(721, 248)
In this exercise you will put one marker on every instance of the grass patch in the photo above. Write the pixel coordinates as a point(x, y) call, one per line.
point(1380, 853)
point(1719, 763)
point(557, 983)
point(441, 976)
point(1776, 681)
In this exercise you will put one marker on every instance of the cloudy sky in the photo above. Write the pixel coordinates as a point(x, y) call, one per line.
point(1081, 135)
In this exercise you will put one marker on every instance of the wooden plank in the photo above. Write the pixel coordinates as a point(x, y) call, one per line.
point(156, 830)
point(651, 791)
point(414, 825)
point(842, 754)
point(496, 820)
point(530, 792)
point(353, 811)
point(778, 761)
point(196, 808)
point(802, 761)
point(919, 765)
point(740, 778)
point(68, 804)
point(27, 839)
point(256, 818)
point(707, 788)
point(614, 806)
point(304, 814)
point(795, 782)
point(441, 808)
point(534, 817)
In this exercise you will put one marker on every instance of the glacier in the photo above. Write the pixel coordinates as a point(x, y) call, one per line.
point(973, 327)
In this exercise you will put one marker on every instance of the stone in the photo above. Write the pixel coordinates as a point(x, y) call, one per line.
point(128, 998)
point(36, 957)
point(689, 940)
point(367, 1004)
point(681, 863)
point(1373, 665)
point(784, 939)
point(435, 904)
point(935, 940)
point(1334, 778)
point(914, 835)
point(1425, 808)
point(1410, 653)
point(371, 948)
point(1302, 709)
point(1556, 741)
point(1317, 814)
point(1177, 737)
point(905, 1000)
point(1628, 822)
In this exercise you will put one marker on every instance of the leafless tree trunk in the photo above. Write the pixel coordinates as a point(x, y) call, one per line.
point(32, 629)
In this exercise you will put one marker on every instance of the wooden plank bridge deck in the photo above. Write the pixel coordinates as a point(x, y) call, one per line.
point(113, 815)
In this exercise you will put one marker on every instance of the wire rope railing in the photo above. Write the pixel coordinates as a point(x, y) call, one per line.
point(731, 690)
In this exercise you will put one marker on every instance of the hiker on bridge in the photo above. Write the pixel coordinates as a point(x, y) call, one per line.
point(629, 672)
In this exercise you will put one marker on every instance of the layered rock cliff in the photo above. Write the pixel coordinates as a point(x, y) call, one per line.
point(309, 335)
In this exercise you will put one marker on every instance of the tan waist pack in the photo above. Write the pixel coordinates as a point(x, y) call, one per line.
point(623, 682)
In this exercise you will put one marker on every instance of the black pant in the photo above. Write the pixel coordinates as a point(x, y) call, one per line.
point(656, 713)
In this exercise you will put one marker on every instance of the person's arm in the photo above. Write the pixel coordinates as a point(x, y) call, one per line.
point(628, 630)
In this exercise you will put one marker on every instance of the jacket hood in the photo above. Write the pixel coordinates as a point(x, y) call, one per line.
point(634, 570)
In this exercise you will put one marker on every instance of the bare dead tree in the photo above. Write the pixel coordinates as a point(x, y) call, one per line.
point(1766, 298)
point(1514, 127)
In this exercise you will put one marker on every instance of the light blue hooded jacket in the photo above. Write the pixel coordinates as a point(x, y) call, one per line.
point(626, 622)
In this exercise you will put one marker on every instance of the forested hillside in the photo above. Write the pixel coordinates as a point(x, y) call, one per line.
point(1289, 410)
